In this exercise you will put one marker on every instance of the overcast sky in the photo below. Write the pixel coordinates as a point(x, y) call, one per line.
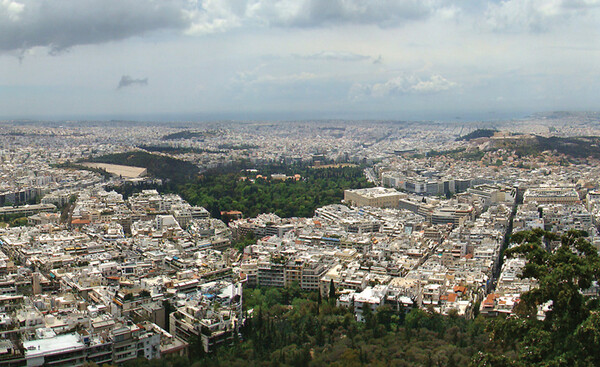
point(401, 59)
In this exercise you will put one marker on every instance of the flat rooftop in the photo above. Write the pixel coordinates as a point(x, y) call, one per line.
point(60, 343)
point(374, 192)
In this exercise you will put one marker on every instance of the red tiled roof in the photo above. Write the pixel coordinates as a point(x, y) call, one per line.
point(459, 288)
point(80, 221)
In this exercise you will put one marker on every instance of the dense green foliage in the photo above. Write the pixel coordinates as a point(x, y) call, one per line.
point(577, 147)
point(222, 191)
point(314, 333)
point(188, 134)
point(570, 332)
point(177, 150)
point(241, 243)
point(574, 147)
point(163, 167)
point(289, 327)
point(234, 188)
point(479, 133)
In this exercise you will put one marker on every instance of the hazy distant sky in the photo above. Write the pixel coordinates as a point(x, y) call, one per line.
point(405, 59)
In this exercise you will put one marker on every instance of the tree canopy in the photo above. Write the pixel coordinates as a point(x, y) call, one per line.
point(567, 334)
point(223, 191)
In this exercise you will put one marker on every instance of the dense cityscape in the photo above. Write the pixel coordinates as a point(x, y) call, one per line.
point(106, 262)
point(299, 183)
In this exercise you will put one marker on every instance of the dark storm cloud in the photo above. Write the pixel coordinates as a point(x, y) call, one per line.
point(60, 24)
point(127, 81)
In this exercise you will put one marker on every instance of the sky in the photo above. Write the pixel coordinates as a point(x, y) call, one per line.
point(297, 59)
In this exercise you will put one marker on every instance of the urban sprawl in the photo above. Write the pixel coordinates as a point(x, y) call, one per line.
point(88, 275)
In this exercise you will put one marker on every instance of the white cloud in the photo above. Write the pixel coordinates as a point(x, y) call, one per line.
point(334, 56)
point(219, 15)
point(299, 52)
point(252, 78)
point(211, 16)
point(11, 10)
point(404, 84)
point(435, 83)
point(324, 12)
point(535, 15)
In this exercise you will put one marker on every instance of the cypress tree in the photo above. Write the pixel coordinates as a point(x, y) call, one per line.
point(331, 290)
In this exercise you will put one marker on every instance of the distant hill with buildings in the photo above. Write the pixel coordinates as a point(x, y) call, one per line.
point(575, 147)
point(479, 133)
